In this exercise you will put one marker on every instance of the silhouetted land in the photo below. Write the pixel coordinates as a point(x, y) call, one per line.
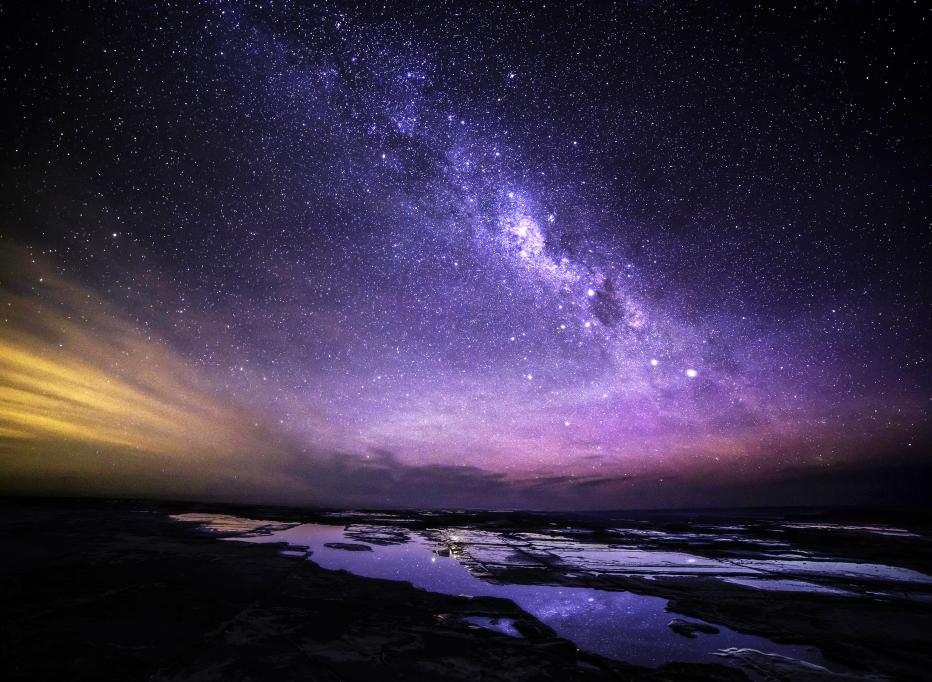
point(116, 590)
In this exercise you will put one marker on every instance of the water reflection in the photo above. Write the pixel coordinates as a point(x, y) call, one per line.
point(618, 625)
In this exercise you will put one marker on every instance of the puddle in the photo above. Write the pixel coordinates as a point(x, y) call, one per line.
point(777, 585)
point(838, 569)
point(506, 626)
point(619, 625)
point(876, 530)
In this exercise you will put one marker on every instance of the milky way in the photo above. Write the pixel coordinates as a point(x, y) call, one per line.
point(644, 254)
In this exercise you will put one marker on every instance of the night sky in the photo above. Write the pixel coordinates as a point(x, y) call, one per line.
point(562, 255)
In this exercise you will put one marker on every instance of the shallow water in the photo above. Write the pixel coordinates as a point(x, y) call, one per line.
point(618, 625)
point(504, 625)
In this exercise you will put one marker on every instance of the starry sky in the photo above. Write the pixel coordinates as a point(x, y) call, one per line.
point(544, 255)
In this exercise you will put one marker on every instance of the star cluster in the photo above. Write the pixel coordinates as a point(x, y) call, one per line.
point(595, 255)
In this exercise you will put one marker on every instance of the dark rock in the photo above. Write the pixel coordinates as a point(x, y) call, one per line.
point(689, 628)
point(348, 546)
point(96, 590)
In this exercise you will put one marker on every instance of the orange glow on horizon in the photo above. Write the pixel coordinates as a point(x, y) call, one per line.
point(83, 392)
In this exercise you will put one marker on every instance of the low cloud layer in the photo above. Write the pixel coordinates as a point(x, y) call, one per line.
point(92, 404)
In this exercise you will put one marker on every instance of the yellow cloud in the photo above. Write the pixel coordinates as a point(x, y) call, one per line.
point(88, 396)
